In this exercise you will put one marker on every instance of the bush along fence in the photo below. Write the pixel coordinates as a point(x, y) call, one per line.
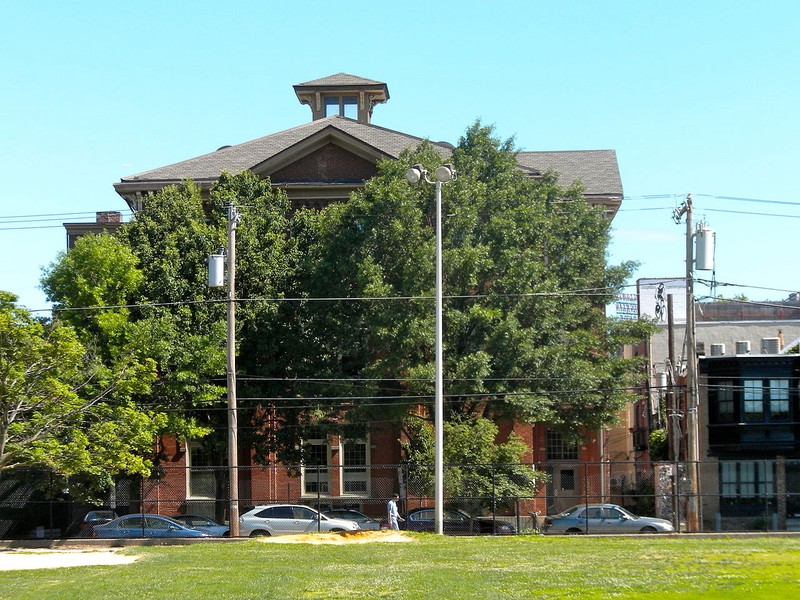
point(709, 496)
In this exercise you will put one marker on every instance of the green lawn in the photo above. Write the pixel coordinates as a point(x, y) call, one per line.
point(438, 567)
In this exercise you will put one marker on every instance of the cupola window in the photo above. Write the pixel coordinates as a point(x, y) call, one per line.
point(345, 106)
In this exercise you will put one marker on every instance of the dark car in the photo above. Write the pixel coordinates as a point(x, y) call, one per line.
point(363, 520)
point(146, 526)
point(456, 522)
point(83, 526)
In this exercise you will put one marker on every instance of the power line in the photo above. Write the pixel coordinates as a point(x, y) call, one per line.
point(580, 292)
point(743, 212)
point(66, 214)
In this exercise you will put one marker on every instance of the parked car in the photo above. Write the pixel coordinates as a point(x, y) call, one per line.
point(286, 519)
point(456, 522)
point(145, 526)
point(603, 518)
point(364, 522)
point(83, 527)
point(200, 523)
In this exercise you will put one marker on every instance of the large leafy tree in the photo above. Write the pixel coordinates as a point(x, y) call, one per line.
point(145, 290)
point(65, 412)
point(525, 284)
point(336, 306)
point(480, 472)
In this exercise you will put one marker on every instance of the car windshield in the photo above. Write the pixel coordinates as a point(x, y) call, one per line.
point(627, 513)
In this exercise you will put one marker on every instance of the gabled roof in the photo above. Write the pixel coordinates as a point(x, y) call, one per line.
point(249, 155)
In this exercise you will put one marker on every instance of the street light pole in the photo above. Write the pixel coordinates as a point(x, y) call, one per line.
point(444, 174)
point(438, 419)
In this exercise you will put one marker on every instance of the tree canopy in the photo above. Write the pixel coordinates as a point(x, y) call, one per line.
point(525, 285)
point(335, 306)
point(65, 412)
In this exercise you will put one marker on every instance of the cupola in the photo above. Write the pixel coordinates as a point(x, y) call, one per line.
point(342, 94)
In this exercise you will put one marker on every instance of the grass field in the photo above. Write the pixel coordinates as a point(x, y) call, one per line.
point(437, 567)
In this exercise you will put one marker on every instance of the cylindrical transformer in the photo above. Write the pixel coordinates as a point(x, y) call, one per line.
point(704, 244)
point(216, 270)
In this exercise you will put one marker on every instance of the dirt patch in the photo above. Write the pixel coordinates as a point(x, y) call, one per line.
point(12, 560)
point(359, 537)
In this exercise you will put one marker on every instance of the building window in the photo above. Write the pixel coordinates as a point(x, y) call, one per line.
point(778, 399)
point(753, 400)
point(567, 479)
point(345, 106)
point(200, 482)
point(725, 405)
point(745, 484)
point(355, 479)
point(558, 449)
point(766, 400)
point(316, 474)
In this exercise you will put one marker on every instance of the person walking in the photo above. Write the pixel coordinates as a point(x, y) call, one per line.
point(393, 516)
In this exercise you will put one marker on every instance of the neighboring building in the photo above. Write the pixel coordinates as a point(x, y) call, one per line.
point(321, 162)
point(721, 328)
point(108, 220)
point(747, 403)
point(750, 440)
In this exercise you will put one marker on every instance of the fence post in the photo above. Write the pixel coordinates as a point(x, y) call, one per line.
point(319, 507)
point(494, 499)
point(767, 516)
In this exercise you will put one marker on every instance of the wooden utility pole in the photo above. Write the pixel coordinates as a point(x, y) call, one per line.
point(233, 428)
point(692, 453)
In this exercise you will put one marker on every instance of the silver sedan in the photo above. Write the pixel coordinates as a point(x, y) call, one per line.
point(603, 518)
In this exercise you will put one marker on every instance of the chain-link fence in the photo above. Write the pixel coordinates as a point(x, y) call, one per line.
point(718, 495)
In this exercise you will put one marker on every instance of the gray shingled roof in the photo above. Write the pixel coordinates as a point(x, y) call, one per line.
point(249, 154)
point(340, 79)
point(596, 169)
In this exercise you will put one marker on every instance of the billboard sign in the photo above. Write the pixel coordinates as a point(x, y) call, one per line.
point(653, 298)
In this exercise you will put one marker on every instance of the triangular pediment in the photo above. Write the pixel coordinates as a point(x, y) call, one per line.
point(328, 155)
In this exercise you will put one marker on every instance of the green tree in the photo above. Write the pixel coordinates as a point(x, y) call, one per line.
point(525, 285)
point(94, 287)
point(148, 287)
point(479, 473)
point(63, 411)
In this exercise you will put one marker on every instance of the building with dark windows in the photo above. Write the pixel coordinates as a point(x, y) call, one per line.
point(750, 439)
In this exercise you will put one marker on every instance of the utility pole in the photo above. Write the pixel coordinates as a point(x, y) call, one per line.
point(233, 426)
point(692, 453)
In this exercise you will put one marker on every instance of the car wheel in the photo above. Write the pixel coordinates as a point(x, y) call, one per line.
point(573, 531)
point(337, 530)
point(259, 533)
point(648, 529)
point(226, 534)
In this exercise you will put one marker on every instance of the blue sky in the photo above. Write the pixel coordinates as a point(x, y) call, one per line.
point(695, 97)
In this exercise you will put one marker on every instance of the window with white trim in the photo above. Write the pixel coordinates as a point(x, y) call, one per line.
point(355, 472)
point(316, 474)
point(200, 482)
point(559, 449)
